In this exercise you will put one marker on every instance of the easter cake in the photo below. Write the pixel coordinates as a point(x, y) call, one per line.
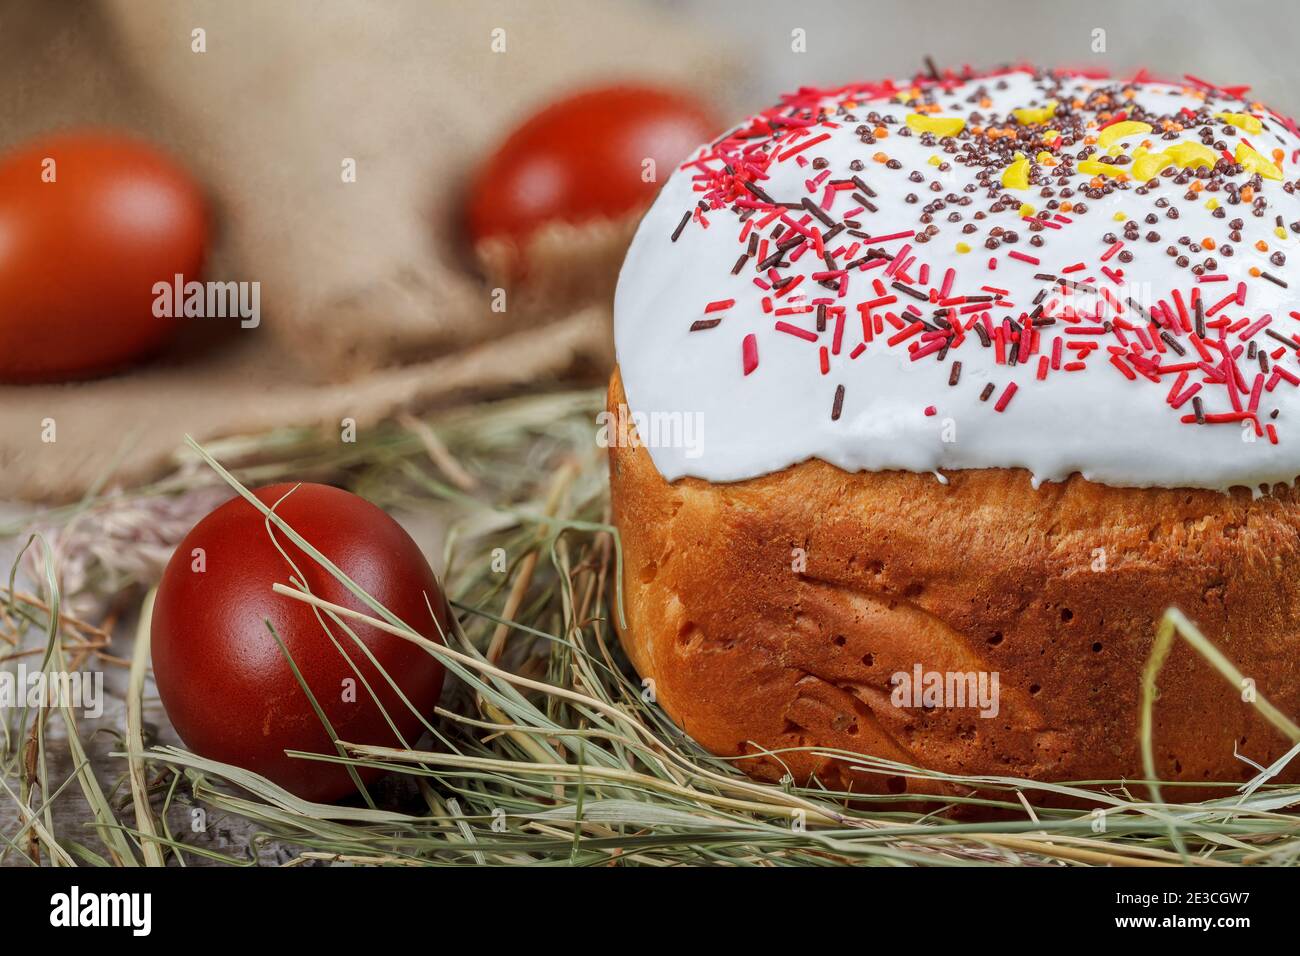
point(961, 382)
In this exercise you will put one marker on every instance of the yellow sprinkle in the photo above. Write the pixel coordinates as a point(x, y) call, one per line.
point(935, 160)
point(1031, 116)
point(963, 248)
point(1123, 130)
point(1026, 209)
point(1212, 204)
point(1051, 136)
point(1279, 232)
point(1250, 124)
point(1149, 165)
point(939, 125)
point(1121, 216)
point(1092, 167)
point(1188, 155)
point(1044, 157)
point(1016, 176)
point(1256, 163)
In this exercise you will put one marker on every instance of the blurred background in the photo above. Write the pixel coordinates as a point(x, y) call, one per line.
point(1246, 42)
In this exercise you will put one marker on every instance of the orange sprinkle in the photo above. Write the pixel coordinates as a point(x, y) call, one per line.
point(880, 132)
point(1207, 243)
point(1247, 193)
point(1262, 246)
point(1254, 270)
point(880, 157)
point(1066, 206)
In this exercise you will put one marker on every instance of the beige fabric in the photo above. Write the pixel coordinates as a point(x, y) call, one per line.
point(370, 302)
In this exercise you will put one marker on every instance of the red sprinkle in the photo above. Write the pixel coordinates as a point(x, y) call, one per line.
point(802, 146)
point(795, 331)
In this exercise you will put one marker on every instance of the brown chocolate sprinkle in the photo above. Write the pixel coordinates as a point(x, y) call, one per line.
point(862, 184)
point(839, 403)
point(817, 212)
point(955, 375)
point(864, 202)
point(988, 391)
point(1280, 337)
point(914, 293)
point(686, 217)
point(759, 193)
point(781, 249)
point(703, 324)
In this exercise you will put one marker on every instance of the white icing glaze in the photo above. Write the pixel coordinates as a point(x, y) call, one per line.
point(1095, 421)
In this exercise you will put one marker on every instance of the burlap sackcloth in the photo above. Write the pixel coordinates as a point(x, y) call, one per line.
point(371, 302)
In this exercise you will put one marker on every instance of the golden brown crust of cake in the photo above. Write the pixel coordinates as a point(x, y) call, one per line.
point(749, 650)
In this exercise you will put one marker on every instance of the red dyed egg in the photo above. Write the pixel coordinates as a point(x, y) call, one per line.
point(89, 222)
point(226, 685)
point(584, 158)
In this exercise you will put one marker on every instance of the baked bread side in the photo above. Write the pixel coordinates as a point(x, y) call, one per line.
point(772, 613)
